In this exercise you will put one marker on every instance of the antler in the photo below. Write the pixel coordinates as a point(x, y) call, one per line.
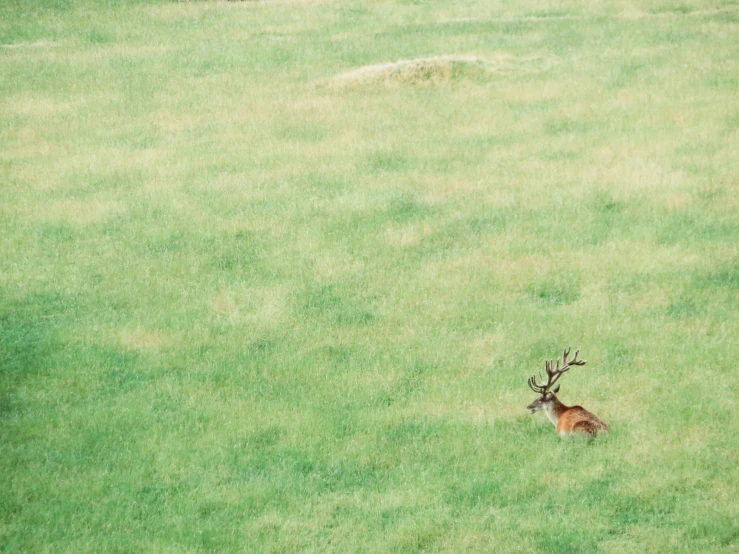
point(556, 373)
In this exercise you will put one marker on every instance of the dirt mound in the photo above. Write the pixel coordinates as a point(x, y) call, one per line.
point(434, 70)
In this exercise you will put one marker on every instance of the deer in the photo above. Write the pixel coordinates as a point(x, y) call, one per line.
point(568, 420)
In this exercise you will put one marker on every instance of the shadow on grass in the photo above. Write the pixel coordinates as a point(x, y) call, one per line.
point(27, 340)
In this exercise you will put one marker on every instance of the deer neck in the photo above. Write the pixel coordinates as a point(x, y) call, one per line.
point(554, 410)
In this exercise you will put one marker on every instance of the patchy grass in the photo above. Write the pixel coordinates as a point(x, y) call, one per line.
point(274, 274)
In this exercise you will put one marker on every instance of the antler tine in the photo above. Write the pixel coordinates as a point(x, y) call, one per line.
point(575, 361)
point(567, 353)
point(567, 365)
point(534, 386)
point(554, 372)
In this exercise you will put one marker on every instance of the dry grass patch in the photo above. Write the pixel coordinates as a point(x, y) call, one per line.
point(273, 307)
point(335, 266)
point(224, 305)
point(406, 235)
point(30, 44)
point(37, 105)
point(80, 212)
point(142, 340)
point(434, 70)
point(483, 349)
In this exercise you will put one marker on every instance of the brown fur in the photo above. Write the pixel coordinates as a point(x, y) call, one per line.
point(578, 420)
point(567, 420)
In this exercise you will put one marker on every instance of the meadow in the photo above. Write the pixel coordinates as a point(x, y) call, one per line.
point(273, 275)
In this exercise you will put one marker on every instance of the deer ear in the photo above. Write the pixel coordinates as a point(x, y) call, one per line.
point(556, 389)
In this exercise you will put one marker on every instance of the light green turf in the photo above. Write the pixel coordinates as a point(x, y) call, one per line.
point(259, 295)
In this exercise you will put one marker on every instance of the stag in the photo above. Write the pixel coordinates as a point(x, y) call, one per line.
point(567, 420)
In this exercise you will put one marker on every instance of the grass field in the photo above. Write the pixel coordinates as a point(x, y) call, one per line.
point(273, 275)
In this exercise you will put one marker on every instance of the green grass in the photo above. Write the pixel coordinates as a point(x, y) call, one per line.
point(259, 295)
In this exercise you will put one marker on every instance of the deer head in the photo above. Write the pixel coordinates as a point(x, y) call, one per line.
point(547, 394)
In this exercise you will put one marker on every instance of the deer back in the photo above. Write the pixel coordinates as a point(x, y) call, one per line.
point(578, 420)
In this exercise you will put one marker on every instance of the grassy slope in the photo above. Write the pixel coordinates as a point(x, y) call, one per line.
point(247, 307)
